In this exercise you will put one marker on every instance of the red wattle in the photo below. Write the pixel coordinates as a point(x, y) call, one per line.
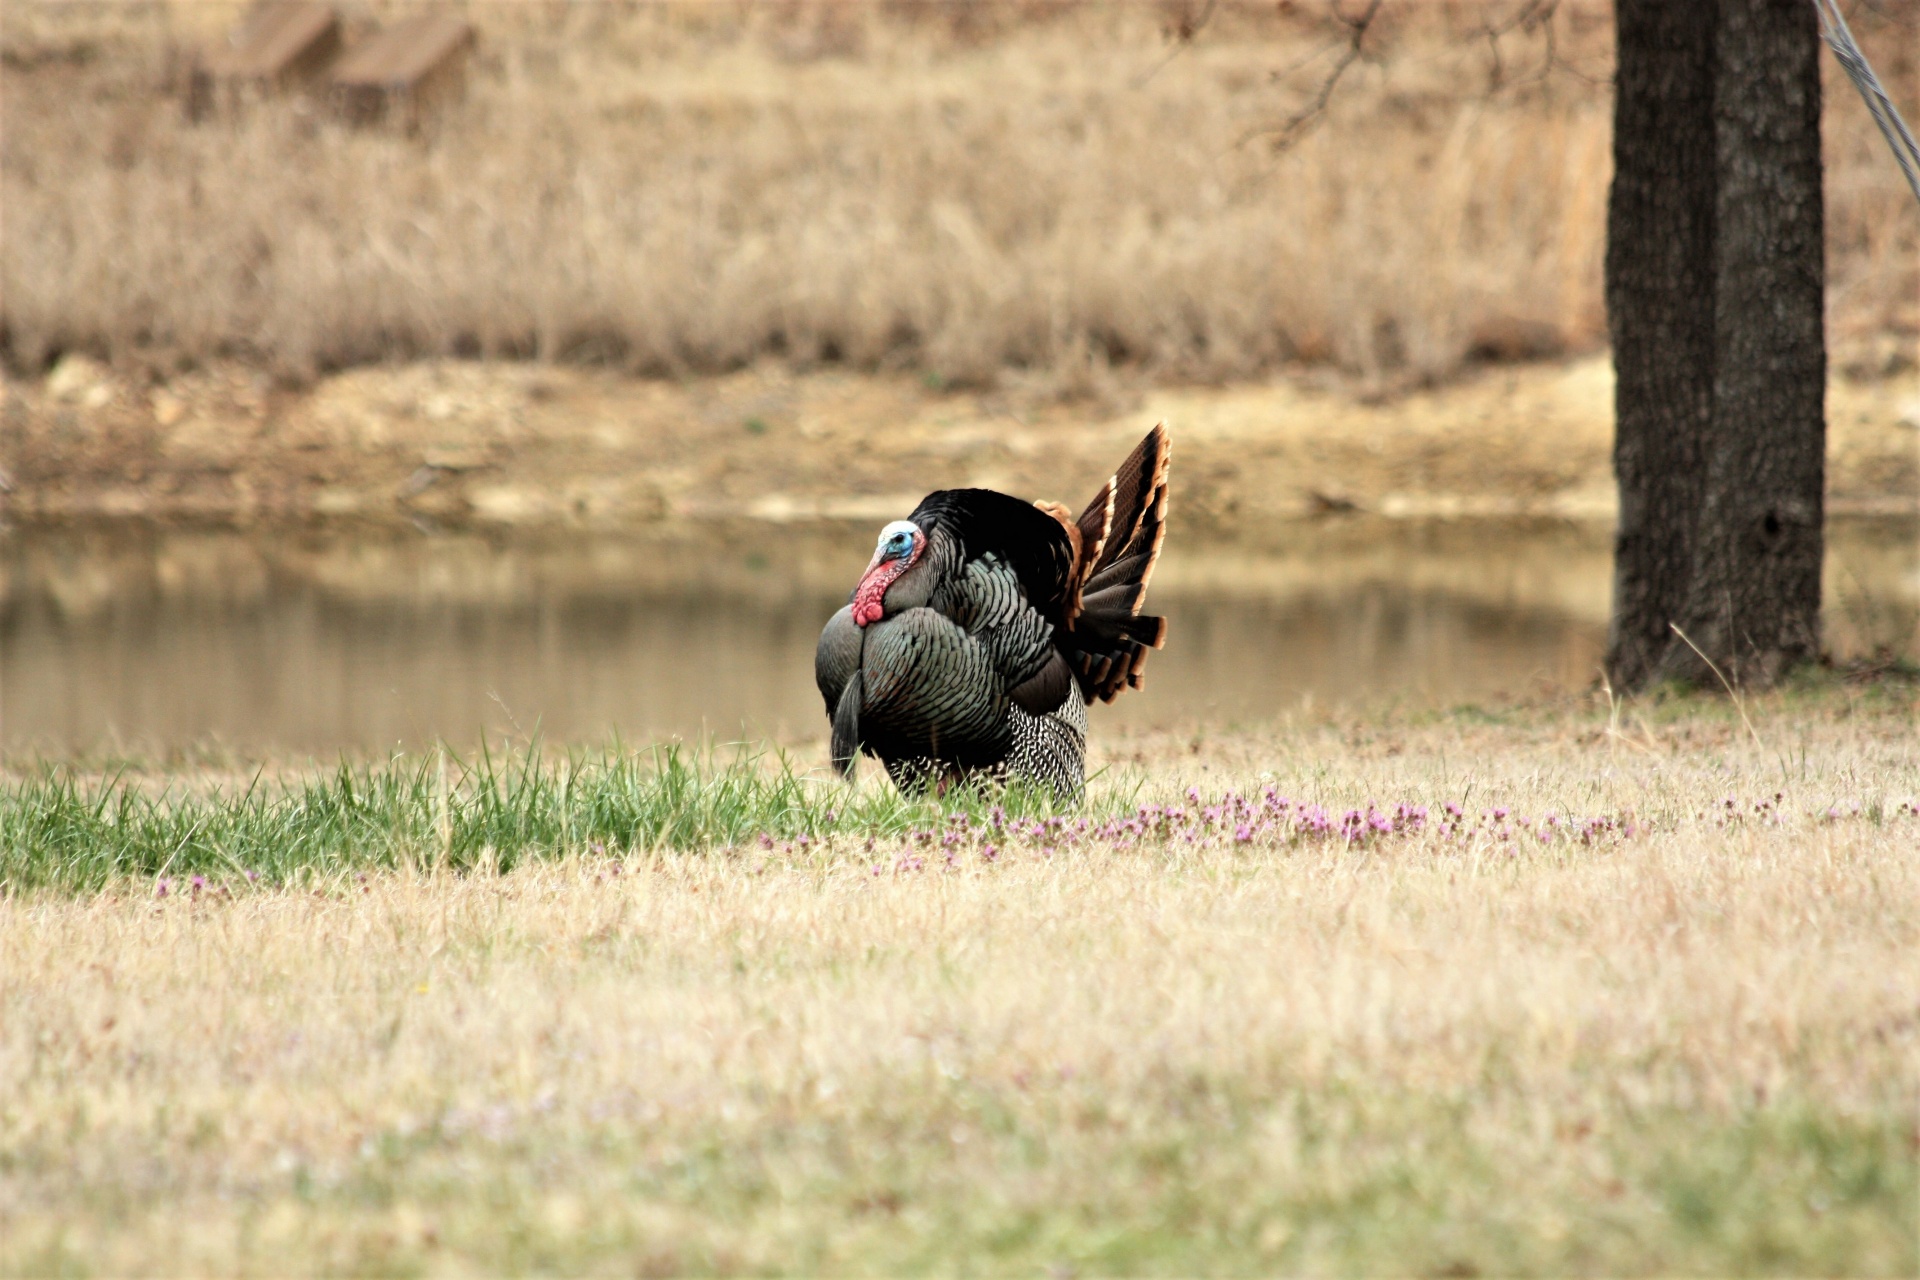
point(870, 596)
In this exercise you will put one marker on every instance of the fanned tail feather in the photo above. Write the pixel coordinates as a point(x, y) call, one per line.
point(1095, 527)
point(1130, 498)
point(1121, 532)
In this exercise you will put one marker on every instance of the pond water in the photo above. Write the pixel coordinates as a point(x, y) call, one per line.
point(166, 641)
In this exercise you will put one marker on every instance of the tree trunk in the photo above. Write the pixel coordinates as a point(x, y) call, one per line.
point(1659, 271)
point(1714, 296)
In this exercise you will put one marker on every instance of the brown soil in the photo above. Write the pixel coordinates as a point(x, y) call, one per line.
point(523, 446)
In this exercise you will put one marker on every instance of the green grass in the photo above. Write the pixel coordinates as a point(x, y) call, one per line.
point(65, 831)
point(1369, 1181)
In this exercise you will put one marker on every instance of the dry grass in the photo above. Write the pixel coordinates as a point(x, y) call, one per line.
point(1690, 1050)
point(963, 189)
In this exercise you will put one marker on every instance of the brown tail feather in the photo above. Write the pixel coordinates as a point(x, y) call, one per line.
point(1116, 542)
point(1131, 503)
point(1139, 490)
point(1095, 526)
point(1121, 597)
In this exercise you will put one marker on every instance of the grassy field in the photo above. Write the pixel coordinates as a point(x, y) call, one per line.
point(1649, 1002)
point(1048, 189)
point(1555, 987)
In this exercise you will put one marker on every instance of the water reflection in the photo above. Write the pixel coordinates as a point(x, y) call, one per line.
point(319, 644)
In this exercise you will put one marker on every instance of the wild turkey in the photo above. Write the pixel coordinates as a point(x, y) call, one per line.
point(985, 625)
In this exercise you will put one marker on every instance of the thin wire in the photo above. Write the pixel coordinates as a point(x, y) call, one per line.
point(1833, 29)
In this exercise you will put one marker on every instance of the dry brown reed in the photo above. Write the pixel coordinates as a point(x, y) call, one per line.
point(963, 189)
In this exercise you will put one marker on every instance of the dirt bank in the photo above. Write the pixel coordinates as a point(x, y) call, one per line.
point(525, 446)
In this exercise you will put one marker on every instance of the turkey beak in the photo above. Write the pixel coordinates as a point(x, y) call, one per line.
point(877, 565)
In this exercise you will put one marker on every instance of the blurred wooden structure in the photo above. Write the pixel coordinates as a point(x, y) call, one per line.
point(400, 73)
point(281, 45)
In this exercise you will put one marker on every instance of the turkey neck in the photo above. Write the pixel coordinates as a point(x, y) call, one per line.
point(917, 585)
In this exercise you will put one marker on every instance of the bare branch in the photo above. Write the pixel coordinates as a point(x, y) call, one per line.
point(1526, 17)
point(1532, 16)
point(1295, 126)
point(1906, 152)
point(1182, 34)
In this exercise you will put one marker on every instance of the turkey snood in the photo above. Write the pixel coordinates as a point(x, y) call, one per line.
point(869, 598)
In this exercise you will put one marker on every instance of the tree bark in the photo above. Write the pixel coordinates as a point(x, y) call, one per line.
point(1715, 279)
point(1659, 270)
point(1754, 607)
